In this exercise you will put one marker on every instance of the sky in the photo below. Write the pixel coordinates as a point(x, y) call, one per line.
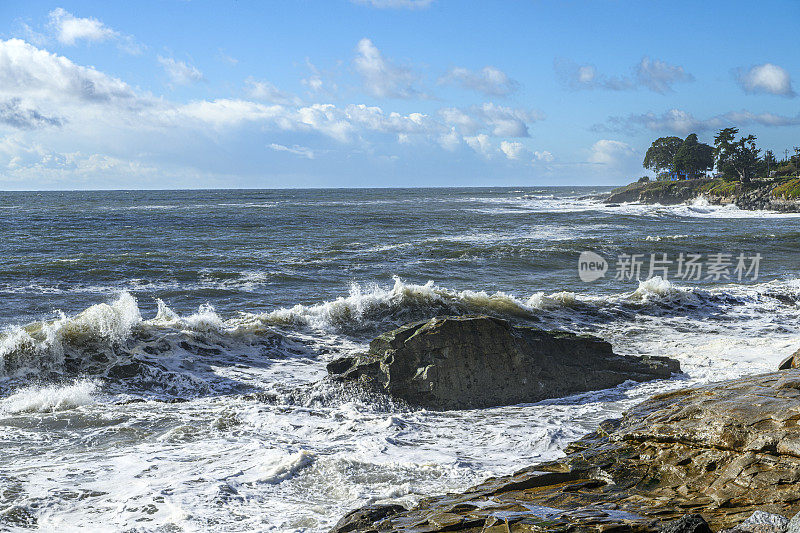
point(174, 94)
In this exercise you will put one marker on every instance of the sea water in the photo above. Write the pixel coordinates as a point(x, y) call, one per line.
point(162, 355)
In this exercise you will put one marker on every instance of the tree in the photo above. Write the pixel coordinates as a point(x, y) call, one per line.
point(770, 162)
point(736, 159)
point(661, 153)
point(693, 157)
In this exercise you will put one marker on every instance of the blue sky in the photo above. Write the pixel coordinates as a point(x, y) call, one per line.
point(380, 93)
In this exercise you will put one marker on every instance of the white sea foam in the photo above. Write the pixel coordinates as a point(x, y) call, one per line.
point(49, 398)
point(658, 238)
point(205, 319)
point(223, 460)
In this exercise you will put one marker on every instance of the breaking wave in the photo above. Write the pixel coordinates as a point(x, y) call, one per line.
point(112, 340)
point(49, 398)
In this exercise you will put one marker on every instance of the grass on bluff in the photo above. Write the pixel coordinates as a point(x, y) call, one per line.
point(788, 190)
point(720, 188)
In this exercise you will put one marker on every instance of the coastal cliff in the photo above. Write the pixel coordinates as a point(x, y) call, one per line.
point(780, 195)
point(725, 450)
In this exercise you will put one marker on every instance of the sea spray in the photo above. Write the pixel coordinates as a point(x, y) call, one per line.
point(50, 398)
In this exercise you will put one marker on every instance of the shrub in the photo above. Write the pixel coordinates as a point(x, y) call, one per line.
point(788, 190)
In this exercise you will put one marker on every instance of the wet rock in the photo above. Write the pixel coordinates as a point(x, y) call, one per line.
point(366, 518)
point(725, 450)
point(761, 522)
point(690, 523)
point(125, 371)
point(480, 361)
point(794, 524)
point(793, 361)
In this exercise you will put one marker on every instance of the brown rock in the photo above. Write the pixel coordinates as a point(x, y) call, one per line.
point(480, 361)
point(724, 450)
point(793, 361)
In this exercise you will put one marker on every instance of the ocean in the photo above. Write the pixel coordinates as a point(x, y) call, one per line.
point(162, 355)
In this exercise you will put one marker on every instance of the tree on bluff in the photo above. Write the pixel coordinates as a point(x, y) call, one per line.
point(660, 155)
point(736, 159)
point(693, 158)
point(673, 154)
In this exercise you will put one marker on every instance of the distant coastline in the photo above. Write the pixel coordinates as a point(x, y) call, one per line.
point(773, 195)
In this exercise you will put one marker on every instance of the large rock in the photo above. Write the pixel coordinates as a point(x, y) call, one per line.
point(793, 361)
point(481, 361)
point(723, 450)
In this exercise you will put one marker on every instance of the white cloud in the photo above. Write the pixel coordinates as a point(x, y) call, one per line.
point(489, 80)
point(586, 74)
point(610, 153)
point(380, 77)
point(302, 151)
point(543, 156)
point(15, 114)
point(450, 141)
point(682, 122)
point(69, 29)
point(500, 121)
point(481, 144)
point(767, 78)
point(264, 90)
point(459, 120)
point(71, 118)
point(514, 150)
point(652, 74)
point(395, 4)
point(764, 119)
point(179, 72)
point(507, 121)
point(659, 76)
point(35, 74)
point(33, 162)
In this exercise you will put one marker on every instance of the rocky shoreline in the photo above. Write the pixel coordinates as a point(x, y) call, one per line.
point(780, 195)
point(722, 456)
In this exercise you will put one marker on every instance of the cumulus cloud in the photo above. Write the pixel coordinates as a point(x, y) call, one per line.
point(610, 153)
point(32, 162)
point(90, 120)
point(507, 121)
point(767, 78)
point(380, 77)
point(14, 114)
point(514, 150)
point(544, 155)
point(450, 141)
point(500, 121)
point(69, 29)
point(489, 80)
point(652, 74)
point(32, 73)
point(481, 144)
point(179, 72)
point(395, 4)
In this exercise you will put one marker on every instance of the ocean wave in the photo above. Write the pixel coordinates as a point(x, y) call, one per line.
point(49, 398)
point(113, 340)
point(169, 352)
point(658, 238)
